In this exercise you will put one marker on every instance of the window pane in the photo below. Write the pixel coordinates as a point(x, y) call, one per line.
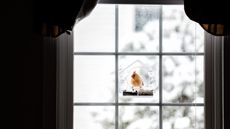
point(94, 117)
point(96, 32)
point(179, 32)
point(148, 69)
point(139, 28)
point(94, 79)
point(183, 79)
point(199, 38)
point(183, 117)
point(138, 117)
point(199, 80)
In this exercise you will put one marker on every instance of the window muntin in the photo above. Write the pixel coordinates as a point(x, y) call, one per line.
point(186, 54)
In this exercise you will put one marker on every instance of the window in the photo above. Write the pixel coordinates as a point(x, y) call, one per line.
point(157, 41)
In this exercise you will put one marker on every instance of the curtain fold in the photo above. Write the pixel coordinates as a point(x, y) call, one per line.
point(52, 18)
point(86, 8)
point(211, 15)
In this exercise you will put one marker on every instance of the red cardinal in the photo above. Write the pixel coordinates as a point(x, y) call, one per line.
point(136, 81)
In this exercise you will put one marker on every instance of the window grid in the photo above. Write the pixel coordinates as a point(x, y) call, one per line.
point(160, 54)
point(160, 70)
point(116, 67)
point(139, 104)
point(141, 54)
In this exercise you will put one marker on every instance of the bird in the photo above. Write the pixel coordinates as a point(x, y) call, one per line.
point(136, 81)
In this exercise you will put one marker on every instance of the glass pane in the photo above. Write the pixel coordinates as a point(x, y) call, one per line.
point(138, 117)
point(199, 38)
point(183, 117)
point(94, 78)
point(147, 67)
point(94, 117)
point(96, 32)
point(138, 28)
point(199, 80)
point(179, 31)
point(183, 79)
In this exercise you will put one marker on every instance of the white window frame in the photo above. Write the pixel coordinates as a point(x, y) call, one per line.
point(214, 109)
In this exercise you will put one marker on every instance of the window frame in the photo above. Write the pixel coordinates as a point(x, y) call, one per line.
point(213, 75)
point(214, 81)
point(64, 81)
point(141, 1)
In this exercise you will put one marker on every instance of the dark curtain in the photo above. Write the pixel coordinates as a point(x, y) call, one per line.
point(53, 18)
point(211, 15)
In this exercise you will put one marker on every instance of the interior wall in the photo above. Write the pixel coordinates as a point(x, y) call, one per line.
point(21, 67)
point(29, 96)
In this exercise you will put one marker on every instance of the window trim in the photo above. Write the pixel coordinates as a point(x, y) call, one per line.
point(214, 81)
point(64, 81)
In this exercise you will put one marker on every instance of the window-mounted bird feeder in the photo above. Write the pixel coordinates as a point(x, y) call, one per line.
point(137, 79)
